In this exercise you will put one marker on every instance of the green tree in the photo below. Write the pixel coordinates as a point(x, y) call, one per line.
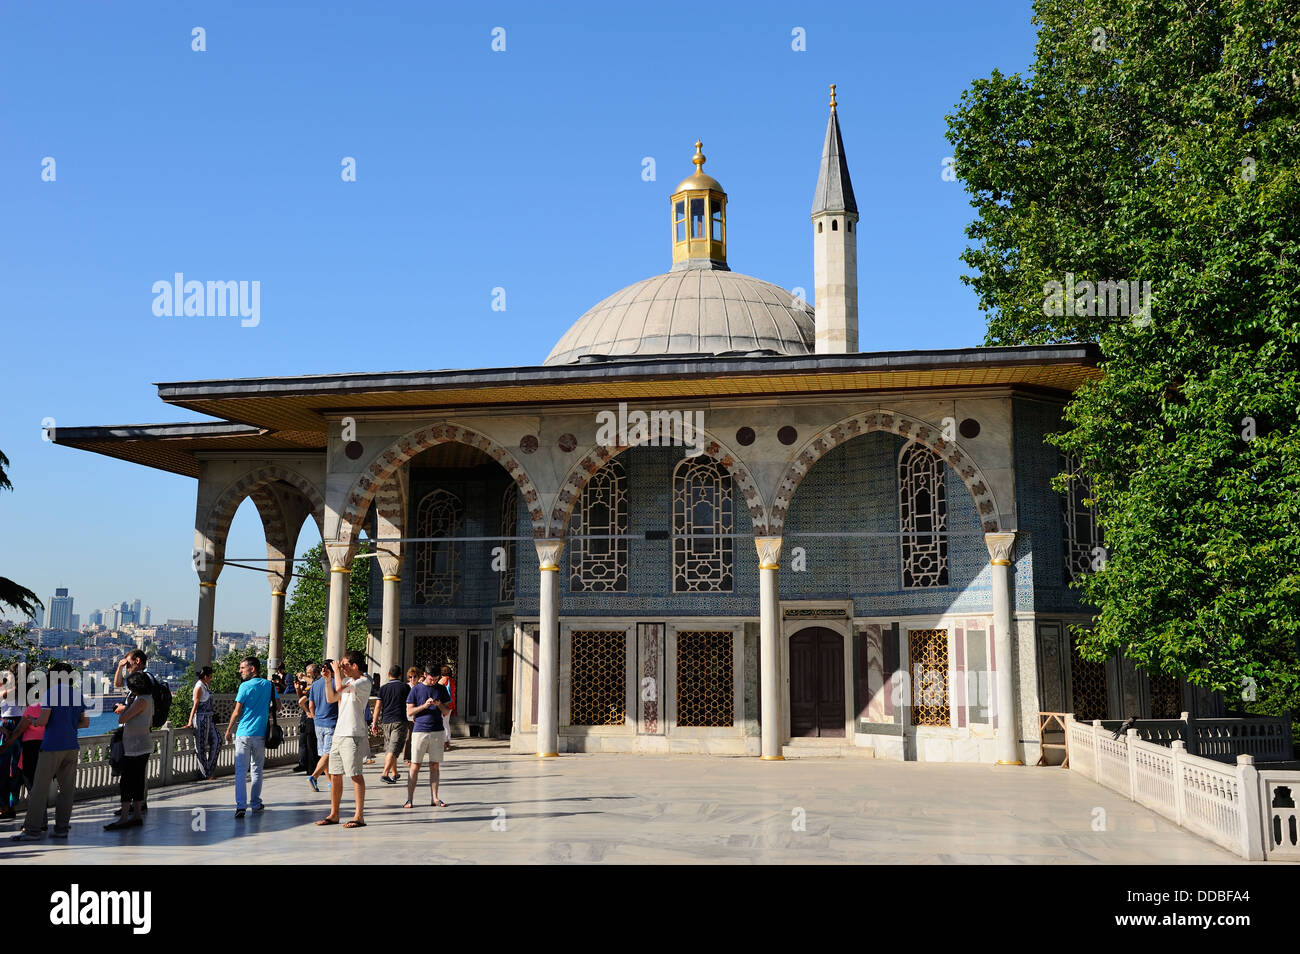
point(308, 604)
point(11, 594)
point(225, 678)
point(1157, 140)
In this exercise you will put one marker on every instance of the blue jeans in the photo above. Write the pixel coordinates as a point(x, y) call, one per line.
point(250, 751)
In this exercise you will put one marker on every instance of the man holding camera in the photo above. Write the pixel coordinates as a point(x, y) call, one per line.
point(349, 688)
point(134, 661)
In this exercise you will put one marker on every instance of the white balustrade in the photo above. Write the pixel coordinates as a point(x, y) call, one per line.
point(1249, 811)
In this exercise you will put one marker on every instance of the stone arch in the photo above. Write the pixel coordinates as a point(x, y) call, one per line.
point(254, 484)
point(597, 457)
point(371, 480)
point(909, 428)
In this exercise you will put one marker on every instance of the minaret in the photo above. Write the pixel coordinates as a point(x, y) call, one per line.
point(835, 247)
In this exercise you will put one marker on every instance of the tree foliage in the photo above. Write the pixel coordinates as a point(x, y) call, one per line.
point(1158, 140)
point(308, 605)
point(11, 594)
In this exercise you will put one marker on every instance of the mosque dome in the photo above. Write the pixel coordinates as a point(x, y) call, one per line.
point(700, 306)
point(691, 311)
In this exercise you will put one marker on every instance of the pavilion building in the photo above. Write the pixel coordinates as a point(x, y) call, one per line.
point(706, 522)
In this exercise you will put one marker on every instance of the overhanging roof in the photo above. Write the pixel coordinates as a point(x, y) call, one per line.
point(290, 413)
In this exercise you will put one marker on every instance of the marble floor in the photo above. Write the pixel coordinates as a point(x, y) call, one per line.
point(650, 809)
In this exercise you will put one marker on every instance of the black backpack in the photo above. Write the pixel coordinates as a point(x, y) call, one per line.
point(162, 703)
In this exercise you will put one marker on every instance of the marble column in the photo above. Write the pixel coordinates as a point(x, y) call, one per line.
point(207, 613)
point(769, 606)
point(388, 648)
point(390, 508)
point(548, 661)
point(275, 648)
point(1001, 546)
point(336, 628)
point(207, 557)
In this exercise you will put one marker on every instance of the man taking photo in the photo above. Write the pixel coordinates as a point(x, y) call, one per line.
point(349, 688)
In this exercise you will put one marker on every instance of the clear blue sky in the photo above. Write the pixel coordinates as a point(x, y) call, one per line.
point(475, 169)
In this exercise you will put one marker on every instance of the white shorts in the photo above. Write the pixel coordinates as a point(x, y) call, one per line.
point(347, 755)
point(426, 747)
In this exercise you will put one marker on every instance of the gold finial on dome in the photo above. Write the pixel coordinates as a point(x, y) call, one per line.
point(832, 95)
point(698, 158)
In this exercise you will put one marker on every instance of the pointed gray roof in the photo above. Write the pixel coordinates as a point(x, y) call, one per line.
point(834, 190)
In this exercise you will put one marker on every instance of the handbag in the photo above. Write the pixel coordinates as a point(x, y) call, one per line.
point(116, 751)
point(274, 734)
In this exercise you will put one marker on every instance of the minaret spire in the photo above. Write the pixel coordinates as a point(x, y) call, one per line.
point(835, 246)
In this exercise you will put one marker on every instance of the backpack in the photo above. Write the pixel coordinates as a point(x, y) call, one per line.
point(162, 703)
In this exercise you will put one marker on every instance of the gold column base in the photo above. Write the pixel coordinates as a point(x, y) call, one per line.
point(548, 755)
point(773, 758)
point(1016, 762)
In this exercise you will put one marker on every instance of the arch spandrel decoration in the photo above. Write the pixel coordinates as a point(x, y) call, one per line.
point(597, 457)
point(894, 423)
point(254, 484)
point(371, 480)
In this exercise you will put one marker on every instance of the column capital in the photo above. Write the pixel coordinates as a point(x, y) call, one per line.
point(769, 552)
point(340, 555)
point(1001, 547)
point(549, 551)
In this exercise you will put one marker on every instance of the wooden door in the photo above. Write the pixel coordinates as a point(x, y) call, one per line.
point(817, 684)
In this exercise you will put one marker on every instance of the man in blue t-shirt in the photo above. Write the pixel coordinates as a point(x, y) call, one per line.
point(325, 716)
point(428, 704)
point(248, 721)
point(63, 712)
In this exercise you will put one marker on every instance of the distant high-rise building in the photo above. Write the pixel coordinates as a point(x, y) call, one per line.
point(96, 618)
point(61, 609)
point(110, 617)
point(135, 611)
point(75, 622)
point(148, 615)
point(38, 617)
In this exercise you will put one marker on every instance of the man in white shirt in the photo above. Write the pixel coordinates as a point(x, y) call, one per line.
point(349, 686)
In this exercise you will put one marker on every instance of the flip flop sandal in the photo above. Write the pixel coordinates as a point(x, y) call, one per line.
point(408, 805)
point(328, 821)
point(354, 824)
point(439, 803)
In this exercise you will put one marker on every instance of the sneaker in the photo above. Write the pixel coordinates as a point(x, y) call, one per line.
point(258, 808)
point(59, 834)
point(239, 813)
point(314, 786)
point(27, 836)
point(390, 781)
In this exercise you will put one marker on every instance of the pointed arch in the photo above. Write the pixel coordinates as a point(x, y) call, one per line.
point(369, 482)
point(913, 429)
point(256, 483)
point(596, 458)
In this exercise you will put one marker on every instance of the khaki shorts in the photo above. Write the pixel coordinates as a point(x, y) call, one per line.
point(347, 755)
point(426, 747)
point(394, 737)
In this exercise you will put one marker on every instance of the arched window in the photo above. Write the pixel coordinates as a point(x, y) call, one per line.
point(1080, 534)
point(437, 563)
point(922, 517)
point(598, 530)
point(702, 524)
point(509, 528)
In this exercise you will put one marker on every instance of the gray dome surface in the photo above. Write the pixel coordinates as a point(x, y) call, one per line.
point(691, 311)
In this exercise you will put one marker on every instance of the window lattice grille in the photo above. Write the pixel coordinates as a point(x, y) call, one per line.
point(597, 677)
point(928, 652)
point(1079, 531)
point(433, 652)
point(705, 678)
point(598, 565)
point(509, 529)
point(1166, 696)
point(922, 517)
point(1087, 686)
point(437, 563)
point(702, 519)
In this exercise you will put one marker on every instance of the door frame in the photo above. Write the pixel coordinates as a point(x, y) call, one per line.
point(842, 627)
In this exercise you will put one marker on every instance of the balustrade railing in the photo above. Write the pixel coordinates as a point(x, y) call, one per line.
point(1249, 811)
